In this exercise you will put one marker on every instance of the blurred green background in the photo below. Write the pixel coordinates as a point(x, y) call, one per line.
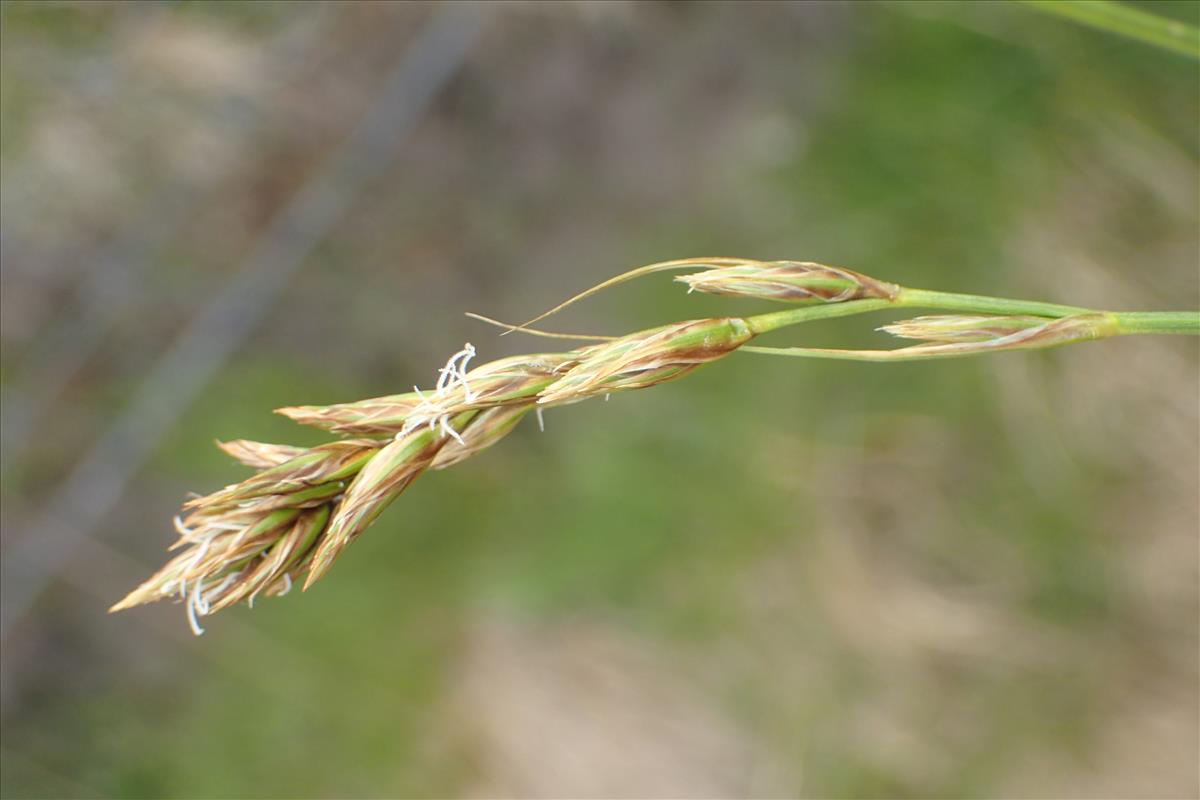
point(776, 578)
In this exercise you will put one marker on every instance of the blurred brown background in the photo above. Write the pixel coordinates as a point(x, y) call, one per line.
point(776, 578)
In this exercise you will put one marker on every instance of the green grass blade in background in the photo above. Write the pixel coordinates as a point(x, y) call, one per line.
point(1121, 19)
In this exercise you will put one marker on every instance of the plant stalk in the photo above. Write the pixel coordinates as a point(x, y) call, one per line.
point(1184, 322)
point(980, 304)
point(1125, 322)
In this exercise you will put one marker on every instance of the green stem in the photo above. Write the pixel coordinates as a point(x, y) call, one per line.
point(1124, 20)
point(979, 304)
point(1185, 322)
point(1119, 323)
point(899, 354)
point(765, 323)
point(1128, 322)
point(912, 298)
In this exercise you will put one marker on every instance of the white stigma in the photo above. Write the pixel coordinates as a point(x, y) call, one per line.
point(455, 372)
point(434, 411)
point(448, 429)
point(193, 602)
point(200, 553)
point(212, 594)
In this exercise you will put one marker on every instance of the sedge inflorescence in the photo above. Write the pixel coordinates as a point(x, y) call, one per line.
point(289, 522)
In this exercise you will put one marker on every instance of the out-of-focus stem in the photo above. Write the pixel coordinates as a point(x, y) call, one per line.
point(1125, 20)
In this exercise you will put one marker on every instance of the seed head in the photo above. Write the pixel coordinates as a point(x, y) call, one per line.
point(292, 519)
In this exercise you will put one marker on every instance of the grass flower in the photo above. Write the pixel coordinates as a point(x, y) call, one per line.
point(290, 521)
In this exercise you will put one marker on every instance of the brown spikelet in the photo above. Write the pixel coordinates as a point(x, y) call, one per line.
point(647, 358)
point(960, 327)
point(282, 557)
point(386, 475)
point(964, 334)
point(789, 282)
point(500, 382)
point(259, 454)
point(324, 464)
point(219, 551)
point(484, 430)
point(375, 415)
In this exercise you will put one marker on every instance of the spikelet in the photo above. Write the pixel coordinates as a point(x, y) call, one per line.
point(374, 415)
point(961, 327)
point(229, 557)
point(647, 358)
point(789, 282)
point(485, 429)
point(301, 480)
point(388, 473)
point(967, 335)
point(259, 454)
point(253, 536)
point(502, 382)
